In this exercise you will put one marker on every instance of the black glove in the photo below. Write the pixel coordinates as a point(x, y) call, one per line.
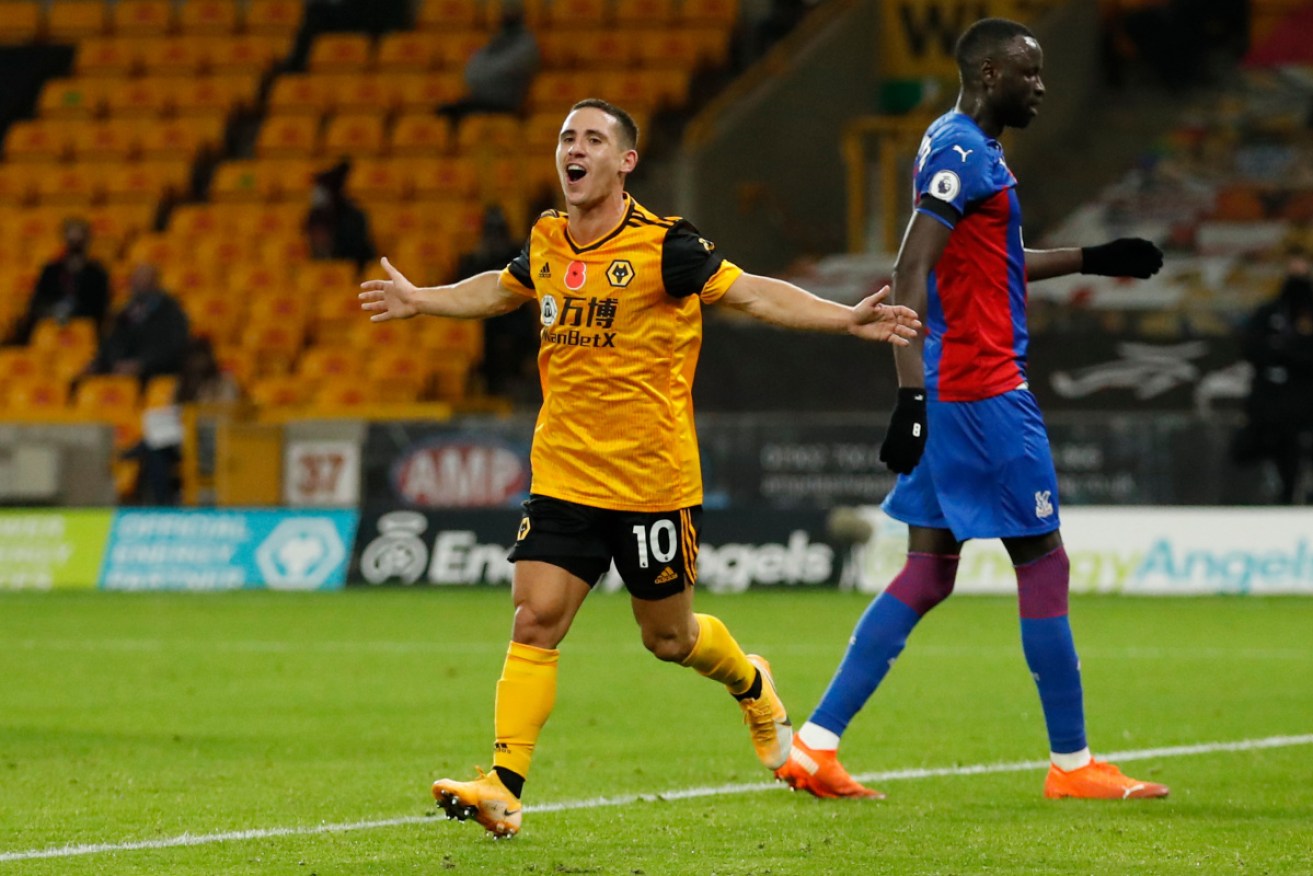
point(1123, 257)
point(904, 442)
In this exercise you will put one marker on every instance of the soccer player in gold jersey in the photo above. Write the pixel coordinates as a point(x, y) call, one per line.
point(616, 475)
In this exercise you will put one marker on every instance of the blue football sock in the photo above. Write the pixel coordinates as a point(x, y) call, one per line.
point(876, 642)
point(1051, 656)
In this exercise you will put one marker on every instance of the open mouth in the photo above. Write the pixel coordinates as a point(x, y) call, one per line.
point(574, 172)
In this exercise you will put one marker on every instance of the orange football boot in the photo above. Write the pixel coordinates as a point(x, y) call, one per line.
point(1098, 780)
point(485, 799)
point(819, 773)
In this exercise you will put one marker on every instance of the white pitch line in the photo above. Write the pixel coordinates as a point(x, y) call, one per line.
point(188, 839)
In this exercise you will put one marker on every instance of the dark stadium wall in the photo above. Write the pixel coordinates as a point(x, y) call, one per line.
point(761, 170)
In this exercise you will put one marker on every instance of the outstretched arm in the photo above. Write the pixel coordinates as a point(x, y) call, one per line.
point(476, 297)
point(784, 304)
point(1124, 257)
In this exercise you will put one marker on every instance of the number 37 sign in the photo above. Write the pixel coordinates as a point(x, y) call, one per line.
point(322, 473)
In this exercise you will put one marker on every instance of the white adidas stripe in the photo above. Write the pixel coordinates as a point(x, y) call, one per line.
point(188, 839)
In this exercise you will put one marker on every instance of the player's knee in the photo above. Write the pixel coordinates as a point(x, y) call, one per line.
point(540, 627)
point(669, 644)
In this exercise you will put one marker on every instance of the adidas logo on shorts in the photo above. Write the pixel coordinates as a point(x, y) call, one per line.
point(667, 575)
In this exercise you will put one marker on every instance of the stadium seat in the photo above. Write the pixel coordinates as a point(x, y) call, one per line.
point(148, 96)
point(20, 22)
point(184, 137)
point(78, 98)
point(274, 220)
point(431, 260)
point(666, 47)
point(243, 180)
point(280, 304)
point(455, 48)
point(542, 131)
point(285, 250)
point(160, 391)
point(330, 364)
point(278, 391)
point(148, 181)
point(218, 94)
point(282, 17)
point(420, 134)
point(219, 253)
point(18, 364)
point(75, 339)
point(108, 140)
point(644, 13)
point(213, 314)
point(177, 55)
point(275, 343)
point(41, 392)
point(339, 52)
point(454, 339)
point(407, 52)
point(72, 20)
point(208, 17)
point(448, 15)
point(249, 53)
point(369, 93)
point(556, 49)
point(108, 56)
point(40, 140)
point(500, 176)
point(575, 13)
point(70, 185)
point(359, 135)
point(157, 249)
point(335, 311)
point(723, 13)
point(327, 278)
point(557, 91)
point(142, 18)
point(489, 132)
point(443, 177)
point(111, 395)
point(425, 92)
point(303, 93)
point(602, 47)
point(237, 361)
point(288, 136)
point(335, 394)
point(187, 278)
point(411, 366)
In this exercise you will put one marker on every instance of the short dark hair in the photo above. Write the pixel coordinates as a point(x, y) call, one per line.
point(626, 122)
point(983, 39)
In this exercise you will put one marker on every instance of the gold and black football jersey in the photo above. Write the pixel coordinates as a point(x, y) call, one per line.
point(621, 333)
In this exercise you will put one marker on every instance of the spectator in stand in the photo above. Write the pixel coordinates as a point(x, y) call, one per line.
point(1278, 341)
point(201, 381)
point(71, 286)
point(510, 341)
point(335, 226)
point(498, 76)
point(148, 336)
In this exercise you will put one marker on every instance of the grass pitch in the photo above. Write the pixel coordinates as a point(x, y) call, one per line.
point(298, 734)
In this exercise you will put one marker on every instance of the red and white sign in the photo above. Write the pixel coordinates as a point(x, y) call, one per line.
point(322, 474)
point(461, 475)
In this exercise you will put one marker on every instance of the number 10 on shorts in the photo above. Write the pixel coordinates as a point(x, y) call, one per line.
point(661, 537)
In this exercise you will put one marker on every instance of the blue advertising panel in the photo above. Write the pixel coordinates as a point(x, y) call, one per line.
point(155, 549)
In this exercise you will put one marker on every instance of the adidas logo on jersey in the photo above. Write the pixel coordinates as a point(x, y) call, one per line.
point(667, 575)
point(545, 273)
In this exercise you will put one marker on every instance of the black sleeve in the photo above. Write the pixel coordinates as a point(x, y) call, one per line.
point(942, 209)
point(519, 266)
point(688, 260)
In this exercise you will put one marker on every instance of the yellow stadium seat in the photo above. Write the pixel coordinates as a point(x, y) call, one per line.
point(327, 277)
point(406, 52)
point(178, 55)
point(443, 177)
point(19, 364)
point(449, 339)
point(320, 364)
point(70, 185)
point(208, 17)
point(644, 13)
point(284, 136)
point(542, 131)
point(149, 96)
point(115, 395)
point(41, 140)
point(713, 44)
point(358, 135)
point(191, 221)
point(186, 278)
point(108, 56)
point(489, 132)
point(142, 18)
point(665, 47)
point(157, 249)
point(75, 339)
point(281, 17)
point(448, 15)
point(723, 13)
point(557, 91)
point(420, 134)
point(148, 181)
point(299, 93)
point(427, 91)
point(432, 260)
point(213, 314)
point(253, 277)
point(72, 20)
point(410, 365)
point(237, 361)
point(390, 335)
point(376, 179)
point(571, 13)
point(119, 223)
point(278, 391)
point(218, 94)
point(38, 393)
point(287, 251)
point(276, 344)
point(251, 52)
point(556, 49)
point(183, 137)
point(286, 305)
point(20, 21)
point(364, 93)
point(218, 253)
point(602, 47)
point(457, 47)
point(339, 52)
point(335, 311)
point(109, 140)
point(78, 98)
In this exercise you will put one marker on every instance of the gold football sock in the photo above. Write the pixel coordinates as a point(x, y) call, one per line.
point(717, 656)
point(526, 693)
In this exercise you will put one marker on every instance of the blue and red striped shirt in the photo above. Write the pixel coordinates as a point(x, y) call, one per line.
point(976, 337)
